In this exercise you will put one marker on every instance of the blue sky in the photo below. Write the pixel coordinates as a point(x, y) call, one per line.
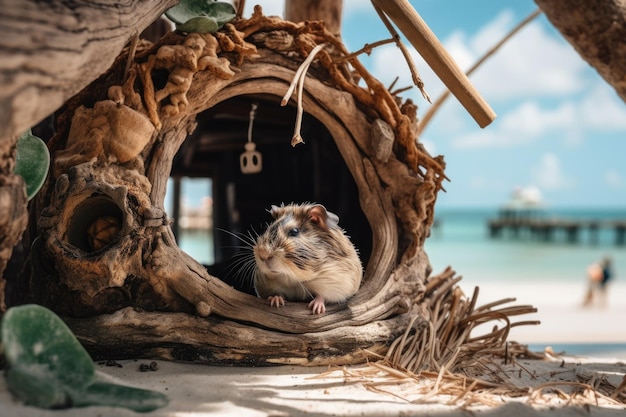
point(560, 127)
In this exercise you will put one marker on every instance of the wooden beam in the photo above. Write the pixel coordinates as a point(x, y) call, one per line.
point(426, 43)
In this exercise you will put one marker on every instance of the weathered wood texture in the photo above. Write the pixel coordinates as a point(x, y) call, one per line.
point(51, 50)
point(597, 30)
point(214, 340)
point(13, 222)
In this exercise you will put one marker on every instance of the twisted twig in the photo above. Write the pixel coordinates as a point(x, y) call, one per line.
point(298, 79)
point(417, 80)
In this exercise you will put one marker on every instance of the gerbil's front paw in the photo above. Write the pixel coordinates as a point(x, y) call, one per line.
point(317, 305)
point(276, 301)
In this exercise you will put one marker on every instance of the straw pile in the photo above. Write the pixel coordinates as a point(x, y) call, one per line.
point(444, 358)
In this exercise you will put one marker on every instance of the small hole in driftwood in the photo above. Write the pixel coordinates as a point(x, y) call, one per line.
point(95, 224)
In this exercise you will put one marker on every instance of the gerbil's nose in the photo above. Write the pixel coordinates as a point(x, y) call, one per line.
point(264, 254)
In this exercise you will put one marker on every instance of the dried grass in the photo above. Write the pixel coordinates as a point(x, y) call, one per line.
point(438, 359)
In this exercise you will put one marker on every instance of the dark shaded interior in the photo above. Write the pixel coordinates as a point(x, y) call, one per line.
point(95, 207)
point(311, 172)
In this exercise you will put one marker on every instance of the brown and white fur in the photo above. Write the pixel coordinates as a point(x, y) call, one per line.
point(305, 255)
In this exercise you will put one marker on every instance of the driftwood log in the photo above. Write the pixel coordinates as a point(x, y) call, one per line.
point(105, 253)
point(48, 52)
point(596, 29)
point(66, 45)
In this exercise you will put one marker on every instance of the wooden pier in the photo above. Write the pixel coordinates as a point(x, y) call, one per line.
point(546, 229)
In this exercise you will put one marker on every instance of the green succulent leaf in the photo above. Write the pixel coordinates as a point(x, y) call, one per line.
point(32, 162)
point(201, 16)
point(47, 367)
point(202, 24)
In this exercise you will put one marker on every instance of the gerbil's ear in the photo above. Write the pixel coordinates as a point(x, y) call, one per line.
point(276, 211)
point(319, 215)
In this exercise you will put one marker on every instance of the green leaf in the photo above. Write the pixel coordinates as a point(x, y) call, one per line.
point(32, 162)
point(200, 24)
point(41, 391)
point(47, 367)
point(201, 15)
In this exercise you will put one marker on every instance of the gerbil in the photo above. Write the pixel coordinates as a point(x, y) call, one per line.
point(305, 255)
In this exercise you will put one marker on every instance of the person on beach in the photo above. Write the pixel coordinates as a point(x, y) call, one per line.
point(598, 276)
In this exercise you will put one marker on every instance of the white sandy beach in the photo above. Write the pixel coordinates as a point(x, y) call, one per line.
point(197, 390)
point(200, 390)
point(563, 319)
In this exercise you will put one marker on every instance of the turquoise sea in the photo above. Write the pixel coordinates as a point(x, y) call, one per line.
point(461, 239)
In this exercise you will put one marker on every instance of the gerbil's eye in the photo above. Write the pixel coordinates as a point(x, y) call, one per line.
point(293, 232)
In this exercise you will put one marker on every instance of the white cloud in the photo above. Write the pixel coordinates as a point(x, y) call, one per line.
point(549, 175)
point(603, 109)
point(572, 120)
point(524, 124)
point(613, 179)
point(558, 96)
point(532, 63)
point(530, 120)
point(457, 46)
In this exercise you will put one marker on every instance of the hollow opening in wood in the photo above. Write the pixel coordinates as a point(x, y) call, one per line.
point(311, 172)
point(95, 224)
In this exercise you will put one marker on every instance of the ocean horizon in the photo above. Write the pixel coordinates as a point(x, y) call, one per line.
point(461, 239)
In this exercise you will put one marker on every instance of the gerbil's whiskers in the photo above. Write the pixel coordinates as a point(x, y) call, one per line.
point(242, 265)
point(248, 239)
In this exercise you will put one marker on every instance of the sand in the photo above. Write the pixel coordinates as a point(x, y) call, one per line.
point(563, 319)
point(200, 390)
point(197, 390)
